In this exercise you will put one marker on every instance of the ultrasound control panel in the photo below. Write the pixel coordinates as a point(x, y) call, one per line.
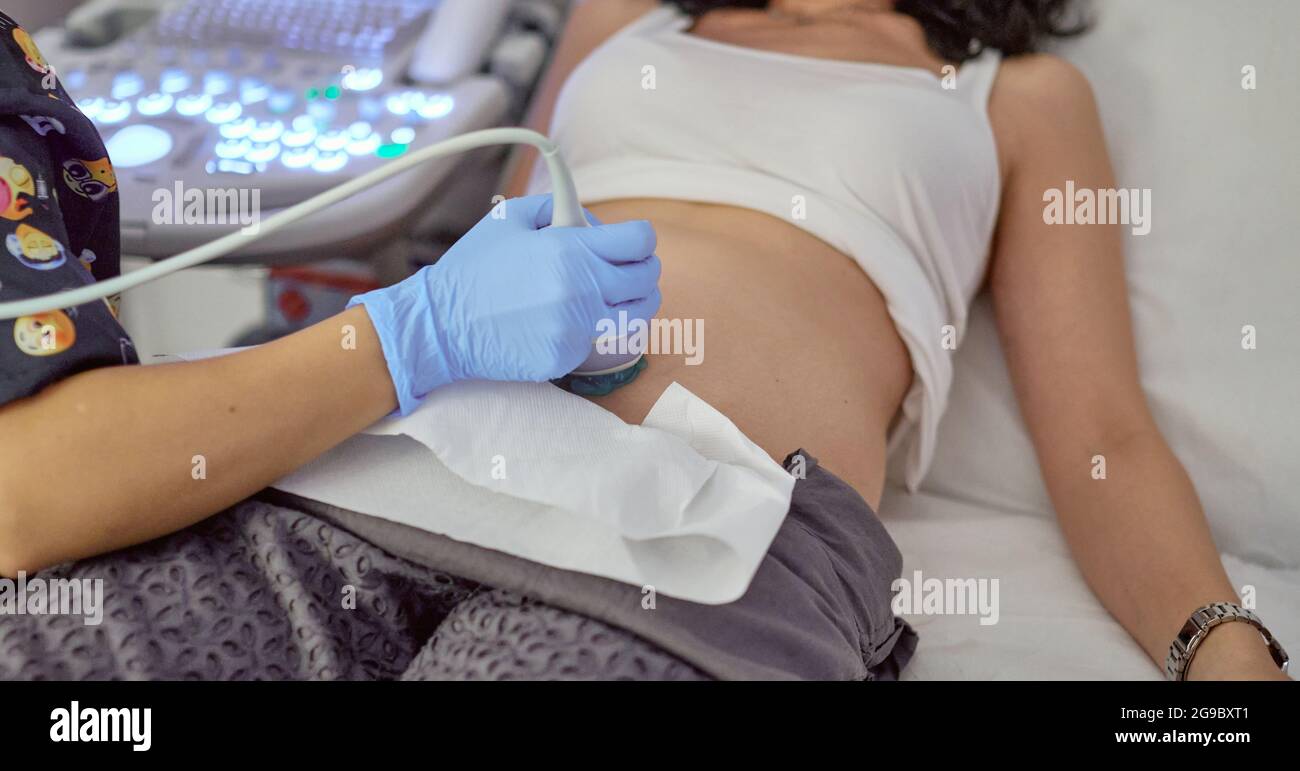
point(283, 97)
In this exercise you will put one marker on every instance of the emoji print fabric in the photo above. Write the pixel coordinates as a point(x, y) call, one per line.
point(58, 225)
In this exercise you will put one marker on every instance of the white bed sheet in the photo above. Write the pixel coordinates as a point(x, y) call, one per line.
point(1050, 626)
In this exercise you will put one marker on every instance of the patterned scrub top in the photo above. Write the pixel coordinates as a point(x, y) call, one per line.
point(58, 223)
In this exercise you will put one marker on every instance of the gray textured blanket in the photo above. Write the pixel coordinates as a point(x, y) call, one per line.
point(280, 587)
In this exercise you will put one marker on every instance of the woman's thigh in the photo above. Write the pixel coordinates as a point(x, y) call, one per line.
point(258, 592)
point(499, 635)
point(265, 592)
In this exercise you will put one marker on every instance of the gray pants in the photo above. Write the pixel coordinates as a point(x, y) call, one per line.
point(267, 590)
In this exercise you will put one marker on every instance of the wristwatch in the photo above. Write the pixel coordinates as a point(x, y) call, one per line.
point(1199, 625)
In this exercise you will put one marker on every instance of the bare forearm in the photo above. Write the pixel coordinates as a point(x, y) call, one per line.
point(118, 456)
point(1142, 541)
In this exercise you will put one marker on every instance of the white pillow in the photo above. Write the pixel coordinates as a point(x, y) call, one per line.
point(1224, 170)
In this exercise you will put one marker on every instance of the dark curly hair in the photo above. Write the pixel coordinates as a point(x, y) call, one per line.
point(960, 29)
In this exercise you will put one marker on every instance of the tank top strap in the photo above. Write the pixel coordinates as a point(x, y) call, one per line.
point(976, 77)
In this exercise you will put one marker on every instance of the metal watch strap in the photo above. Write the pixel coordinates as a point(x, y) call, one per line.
point(1199, 625)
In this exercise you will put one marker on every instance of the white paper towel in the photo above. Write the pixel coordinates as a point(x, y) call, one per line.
point(684, 503)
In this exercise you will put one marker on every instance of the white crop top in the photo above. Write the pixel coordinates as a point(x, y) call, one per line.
point(880, 161)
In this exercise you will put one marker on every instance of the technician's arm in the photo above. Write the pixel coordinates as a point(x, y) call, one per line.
point(1139, 535)
point(115, 457)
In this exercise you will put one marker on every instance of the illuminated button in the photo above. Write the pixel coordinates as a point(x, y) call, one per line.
point(114, 112)
point(222, 112)
point(138, 146)
point(238, 129)
point(233, 148)
point(403, 136)
point(299, 158)
point(91, 107)
point(299, 138)
point(156, 103)
point(174, 80)
point(193, 104)
point(332, 141)
point(230, 167)
point(267, 131)
point(327, 163)
point(398, 104)
point(280, 102)
point(364, 146)
point(127, 85)
point(253, 90)
point(217, 83)
point(359, 130)
point(391, 151)
point(363, 79)
point(436, 107)
point(302, 131)
point(323, 112)
point(263, 153)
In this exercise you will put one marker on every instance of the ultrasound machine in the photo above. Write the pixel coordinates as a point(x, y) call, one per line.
point(291, 98)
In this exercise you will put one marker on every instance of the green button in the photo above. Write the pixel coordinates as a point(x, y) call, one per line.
point(391, 151)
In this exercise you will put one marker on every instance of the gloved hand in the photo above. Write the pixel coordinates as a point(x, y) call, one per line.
point(512, 300)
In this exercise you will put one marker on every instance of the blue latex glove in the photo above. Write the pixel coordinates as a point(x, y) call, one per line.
point(512, 300)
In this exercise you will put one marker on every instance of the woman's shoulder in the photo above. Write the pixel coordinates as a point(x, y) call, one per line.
point(1037, 81)
point(1039, 100)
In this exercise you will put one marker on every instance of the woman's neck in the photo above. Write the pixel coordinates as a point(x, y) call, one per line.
point(812, 8)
